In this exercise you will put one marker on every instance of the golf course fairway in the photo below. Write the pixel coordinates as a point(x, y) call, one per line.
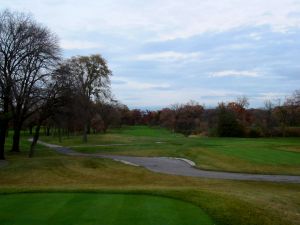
point(97, 209)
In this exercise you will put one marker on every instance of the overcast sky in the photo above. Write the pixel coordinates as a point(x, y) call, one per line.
point(171, 51)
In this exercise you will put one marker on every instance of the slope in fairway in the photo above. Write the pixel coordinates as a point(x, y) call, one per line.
point(97, 209)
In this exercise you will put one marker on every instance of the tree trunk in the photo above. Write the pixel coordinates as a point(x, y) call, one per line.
point(105, 127)
point(30, 129)
point(59, 135)
point(89, 127)
point(16, 136)
point(34, 140)
point(48, 131)
point(283, 130)
point(16, 142)
point(85, 129)
point(4, 120)
point(3, 131)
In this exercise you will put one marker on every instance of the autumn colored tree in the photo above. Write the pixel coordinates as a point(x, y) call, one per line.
point(187, 119)
point(167, 118)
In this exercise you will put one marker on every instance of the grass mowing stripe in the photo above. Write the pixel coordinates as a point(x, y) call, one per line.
point(101, 209)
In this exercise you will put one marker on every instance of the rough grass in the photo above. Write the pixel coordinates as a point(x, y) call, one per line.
point(226, 202)
point(250, 155)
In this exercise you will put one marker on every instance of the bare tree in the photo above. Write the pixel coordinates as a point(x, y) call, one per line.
point(296, 97)
point(292, 105)
point(52, 98)
point(268, 109)
point(243, 101)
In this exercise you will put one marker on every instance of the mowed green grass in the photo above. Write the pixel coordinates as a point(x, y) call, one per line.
point(100, 209)
point(226, 202)
point(251, 155)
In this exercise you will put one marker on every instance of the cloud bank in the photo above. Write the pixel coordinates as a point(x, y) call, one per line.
point(163, 52)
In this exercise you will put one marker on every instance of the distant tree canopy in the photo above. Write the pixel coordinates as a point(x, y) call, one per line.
point(232, 119)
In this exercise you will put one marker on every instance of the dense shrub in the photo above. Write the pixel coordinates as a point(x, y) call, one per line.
point(255, 132)
point(228, 125)
point(292, 132)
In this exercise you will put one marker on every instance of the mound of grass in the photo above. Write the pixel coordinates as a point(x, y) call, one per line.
point(101, 209)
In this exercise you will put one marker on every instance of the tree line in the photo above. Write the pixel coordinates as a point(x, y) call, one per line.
point(231, 119)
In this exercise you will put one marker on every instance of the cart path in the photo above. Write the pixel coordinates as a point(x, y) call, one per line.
point(177, 166)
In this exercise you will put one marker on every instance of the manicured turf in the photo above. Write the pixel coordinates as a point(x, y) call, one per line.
point(226, 202)
point(260, 155)
point(97, 209)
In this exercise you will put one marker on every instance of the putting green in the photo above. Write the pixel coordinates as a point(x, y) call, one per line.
point(97, 209)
